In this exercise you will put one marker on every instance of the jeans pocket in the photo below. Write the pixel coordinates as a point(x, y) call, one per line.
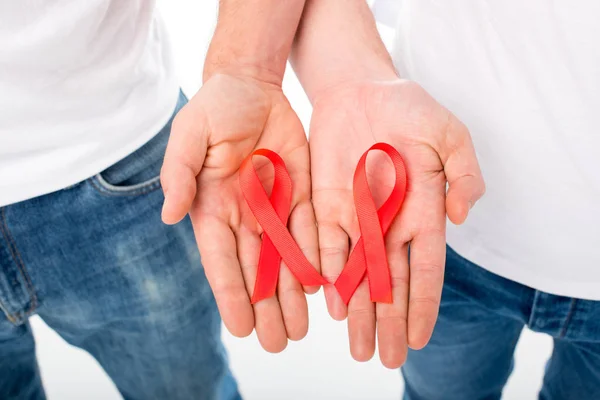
point(139, 172)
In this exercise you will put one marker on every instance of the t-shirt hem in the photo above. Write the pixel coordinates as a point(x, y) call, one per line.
point(521, 274)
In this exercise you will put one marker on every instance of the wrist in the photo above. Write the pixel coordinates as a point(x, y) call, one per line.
point(322, 84)
point(336, 44)
point(225, 57)
point(246, 69)
point(253, 38)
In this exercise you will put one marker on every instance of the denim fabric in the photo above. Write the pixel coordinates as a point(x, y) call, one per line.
point(97, 264)
point(470, 356)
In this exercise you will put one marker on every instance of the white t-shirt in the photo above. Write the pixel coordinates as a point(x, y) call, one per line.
point(82, 85)
point(524, 76)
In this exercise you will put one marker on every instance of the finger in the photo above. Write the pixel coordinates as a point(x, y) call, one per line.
point(302, 222)
point(293, 305)
point(361, 311)
point(183, 161)
point(461, 197)
point(303, 228)
point(361, 324)
point(334, 246)
point(392, 335)
point(427, 259)
point(462, 171)
point(270, 327)
point(217, 246)
point(290, 292)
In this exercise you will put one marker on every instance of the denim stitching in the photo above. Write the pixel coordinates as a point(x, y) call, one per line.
point(563, 331)
point(533, 305)
point(152, 186)
point(14, 251)
point(127, 188)
point(11, 317)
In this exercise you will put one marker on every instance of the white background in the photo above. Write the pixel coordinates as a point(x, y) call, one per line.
point(319, 367)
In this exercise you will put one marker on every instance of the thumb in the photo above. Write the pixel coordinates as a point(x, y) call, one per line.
point(183, 161)
point(461, 167)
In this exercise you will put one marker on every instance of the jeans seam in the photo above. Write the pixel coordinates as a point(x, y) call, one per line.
point(14, 251)
point(532, 312)
point(4, 309)
point(563, 331)
point(149, 187)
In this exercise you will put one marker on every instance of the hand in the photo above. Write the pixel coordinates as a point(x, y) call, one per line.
point(437, 149)
point(221, 125)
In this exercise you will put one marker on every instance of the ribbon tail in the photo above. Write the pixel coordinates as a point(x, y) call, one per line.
point(267, 274)
point(352, 274)
point(381, 290)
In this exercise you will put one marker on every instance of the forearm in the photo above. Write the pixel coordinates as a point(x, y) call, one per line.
point(338, 42)
point(254, 38)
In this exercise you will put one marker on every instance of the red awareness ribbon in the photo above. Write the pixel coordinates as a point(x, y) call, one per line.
point(369, 255)
point(272, 215)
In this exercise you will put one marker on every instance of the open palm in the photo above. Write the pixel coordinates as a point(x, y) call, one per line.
point(437, 149)
point(226, 121)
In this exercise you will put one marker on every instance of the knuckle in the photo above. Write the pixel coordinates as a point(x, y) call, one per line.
point(230, 291)
point(397, 318)
point(361, 312)
point(290, 290)
point(431, 301)
point(332, 251)
point(396, 245)
point(400, 282)
point(331, 277)
point(309, 249)
point(426, 267)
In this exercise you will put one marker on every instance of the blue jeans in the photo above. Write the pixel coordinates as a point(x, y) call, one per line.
point(470, 356)
point(96, 263)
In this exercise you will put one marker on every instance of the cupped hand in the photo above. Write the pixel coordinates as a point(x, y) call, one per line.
point(223, 123)
point(437, 150)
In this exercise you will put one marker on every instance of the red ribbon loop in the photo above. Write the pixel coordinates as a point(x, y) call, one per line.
point(369, 255)
point(272, 214)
